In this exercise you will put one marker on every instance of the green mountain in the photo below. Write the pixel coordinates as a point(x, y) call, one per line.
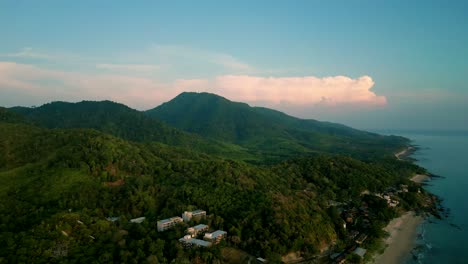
point(58, 186)
point(268, 132)
point(121, 121)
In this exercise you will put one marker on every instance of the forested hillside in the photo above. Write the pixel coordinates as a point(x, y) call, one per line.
point(124, 122)
point(58, 186)
point(267, 132)
point(216, 126)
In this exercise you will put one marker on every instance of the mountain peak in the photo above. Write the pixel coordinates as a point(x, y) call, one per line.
point(262, 130)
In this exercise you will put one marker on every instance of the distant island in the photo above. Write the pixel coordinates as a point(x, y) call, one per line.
point(100, 182)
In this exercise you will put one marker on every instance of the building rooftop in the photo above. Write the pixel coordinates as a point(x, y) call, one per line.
point(360, 251)
point(218, 233)
point(200, 226)
point(138, 220)
point(164, 221)
point(168, 220)
point(195, 241)
point(198, 211)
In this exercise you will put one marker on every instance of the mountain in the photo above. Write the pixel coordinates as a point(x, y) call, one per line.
point(121, 121)
point(9, 116)
point(268, 132)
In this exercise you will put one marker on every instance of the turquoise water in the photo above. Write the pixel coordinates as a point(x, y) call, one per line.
point(444, 154)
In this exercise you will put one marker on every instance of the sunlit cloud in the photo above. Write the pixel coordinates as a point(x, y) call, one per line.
point(300, 90)
point(145, 92)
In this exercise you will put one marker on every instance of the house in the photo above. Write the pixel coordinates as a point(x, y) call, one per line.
point(138, 220)
point(196, 230)
point(360, 252)
point(188, 241)
point(261, 260)
point(196, 215)
point(216, 236)
point(168, 223)
point(113, 219)
point(361, 238)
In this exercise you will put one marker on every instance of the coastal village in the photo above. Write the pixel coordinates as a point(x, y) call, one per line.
point(357, 222)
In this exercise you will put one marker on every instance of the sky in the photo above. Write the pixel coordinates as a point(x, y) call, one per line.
point(368, 64)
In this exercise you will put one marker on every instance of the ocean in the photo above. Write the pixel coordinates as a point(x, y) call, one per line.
point(446, 155)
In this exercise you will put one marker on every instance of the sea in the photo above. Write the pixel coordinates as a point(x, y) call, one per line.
point(444, 154)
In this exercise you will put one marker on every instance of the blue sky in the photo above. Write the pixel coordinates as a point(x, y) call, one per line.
point(368, 64)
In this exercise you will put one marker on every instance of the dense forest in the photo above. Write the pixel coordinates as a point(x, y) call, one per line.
point(214, 125)
point(61, 178)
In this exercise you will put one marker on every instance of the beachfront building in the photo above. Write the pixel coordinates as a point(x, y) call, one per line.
point(187, 241)
point(196, 215)
point(360, 251)
point(216, 236)
point(168, 223)
point(196, 230)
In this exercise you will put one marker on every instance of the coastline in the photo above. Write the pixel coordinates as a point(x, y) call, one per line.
point(405, 153)
point(402, 230)
point(401, 240)
point(420, 178)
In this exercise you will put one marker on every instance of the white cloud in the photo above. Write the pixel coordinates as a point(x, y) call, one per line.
point(146, 92)
point(300, 90)
point(148, 68)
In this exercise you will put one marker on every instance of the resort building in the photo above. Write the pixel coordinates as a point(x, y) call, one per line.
point(188, 241)
point(138, 220)
point(196, 230)
point(360, 252)
point(166, 224)
point(216, 236)
point(196, 215)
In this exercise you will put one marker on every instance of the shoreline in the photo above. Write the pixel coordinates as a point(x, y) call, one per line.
point(401, 240)
point(420, 178)
point(402, 155)
point(403, 230)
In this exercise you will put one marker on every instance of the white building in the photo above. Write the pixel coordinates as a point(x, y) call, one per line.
point(195, 230)
point(216, 236)
point(168, 223)
point(138, 220)
point(187, 241)
point(196, 215)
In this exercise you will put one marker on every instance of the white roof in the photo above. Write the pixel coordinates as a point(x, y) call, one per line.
point(195, 241)
point(218, 233)
point(360, 251)
point(137, 220)
point(200, 226)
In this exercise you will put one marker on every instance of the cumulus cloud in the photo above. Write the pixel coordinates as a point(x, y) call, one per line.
point(146, 92)
point(300, 90)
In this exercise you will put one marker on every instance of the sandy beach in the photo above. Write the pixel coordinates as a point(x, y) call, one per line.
point(419, 178)
point(397, 155)
point(403, 232)
point(402, 153)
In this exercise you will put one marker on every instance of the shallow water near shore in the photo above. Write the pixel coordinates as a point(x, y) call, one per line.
point(446, 155)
